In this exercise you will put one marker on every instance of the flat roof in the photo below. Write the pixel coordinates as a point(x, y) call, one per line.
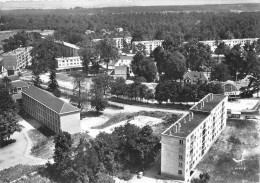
point(49, 100)
point(186, 126)
point(208, 106)
point(187, 123)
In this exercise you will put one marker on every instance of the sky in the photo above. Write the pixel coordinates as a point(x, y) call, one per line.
point(13, 4)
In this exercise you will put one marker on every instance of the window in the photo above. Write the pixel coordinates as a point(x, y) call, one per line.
point(181, 141)
point(180, 172)
point(180, 157)
point(180, 164)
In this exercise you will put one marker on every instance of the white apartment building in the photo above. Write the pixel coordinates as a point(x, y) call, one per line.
point(68, 49)
point(229, 42)
point(149, 45)
point(69, 63)
point(186, 141)
point(119, 41)
point(16, 60)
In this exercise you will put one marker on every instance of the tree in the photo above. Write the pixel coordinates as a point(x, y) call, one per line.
point(63, 149)
point(162, 92)
point(138, 35)
point(88, 54)
point(136, 63)
point(103, 81)
point(149, 95)
point(142, 91)
point(57, 93)
point(148, 69)
point(118, 87)
point(79, 96)
point(175, 91)
point(8, 125)
point(53, 84)
point(97, 100)
point(37, 81)
point(189, 93)
point(44, 54)
point(198, 55)
point(6, 101)
point(159, 55)
point(220, 72)
point(6, 81)
point(175, 66)
point(107, 50)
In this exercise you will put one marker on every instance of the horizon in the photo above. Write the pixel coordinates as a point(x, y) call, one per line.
point(66, 4)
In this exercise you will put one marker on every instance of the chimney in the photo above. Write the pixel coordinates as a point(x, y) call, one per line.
point(201, 106)
point(184, 120)
point(191, 115)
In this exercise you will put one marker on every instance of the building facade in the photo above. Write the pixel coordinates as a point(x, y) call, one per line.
point(16, 89)
point(194, 77)
point(69, 63)
point(186, 141)
point(229, 42)
point(119, 41)
point(68, 49)
point(16, 60)
point(51, 111)
point(149, 45)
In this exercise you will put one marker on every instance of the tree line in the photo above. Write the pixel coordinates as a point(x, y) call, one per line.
point(70, 25)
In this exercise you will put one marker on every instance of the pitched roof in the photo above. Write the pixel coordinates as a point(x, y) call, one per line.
point(49, 100)
point(193, 75)
point(19, 84)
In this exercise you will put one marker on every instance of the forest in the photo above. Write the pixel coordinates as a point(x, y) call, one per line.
point(71, 24)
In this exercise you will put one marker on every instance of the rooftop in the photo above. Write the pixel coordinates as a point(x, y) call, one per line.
point(49, 100)
point(19, 84)
point(18, 51)
point(194, 75)
point(68, 44)
point(67, 58)
point(197, 114)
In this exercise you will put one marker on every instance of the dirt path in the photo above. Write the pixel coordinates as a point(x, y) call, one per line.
point(19, 151)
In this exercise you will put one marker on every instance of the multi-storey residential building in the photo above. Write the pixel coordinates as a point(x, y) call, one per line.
point(68, 49)
point(119, 41)
point(186, 141)
point(16, 60)
point(50, 110)
point(65, 63)
point(229, 42)
point(149, 45)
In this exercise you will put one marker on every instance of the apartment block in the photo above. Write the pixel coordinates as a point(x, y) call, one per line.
point(119, 41)
point(16, 60)
point(186, 141)
point(68, 49)
point(149, 45)
point(229, 42)
point(69, 63)
point(51, 111)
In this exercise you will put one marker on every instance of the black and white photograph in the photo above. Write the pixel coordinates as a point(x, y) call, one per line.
point(129, 91)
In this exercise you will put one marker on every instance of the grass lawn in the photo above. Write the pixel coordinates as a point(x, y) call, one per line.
point(239, 141)
point(43, 145)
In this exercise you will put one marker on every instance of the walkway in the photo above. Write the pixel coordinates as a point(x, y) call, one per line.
point(19, 151)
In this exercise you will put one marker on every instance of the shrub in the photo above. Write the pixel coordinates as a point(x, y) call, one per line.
point(234, 140)
point(126, 175)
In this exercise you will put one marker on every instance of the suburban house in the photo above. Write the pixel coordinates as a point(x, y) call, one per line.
point(194, 77)
point(51, 111)
point(186, 142)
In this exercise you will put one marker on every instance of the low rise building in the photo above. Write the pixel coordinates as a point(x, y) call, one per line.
point(194, 77)
point(119, 41)
point(51, 111)
point(16, 89)
point(16, 60)
point(68, 63)
point(186, 142)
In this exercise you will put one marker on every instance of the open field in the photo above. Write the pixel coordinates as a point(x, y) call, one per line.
point(235, 156)
point(242, 104)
